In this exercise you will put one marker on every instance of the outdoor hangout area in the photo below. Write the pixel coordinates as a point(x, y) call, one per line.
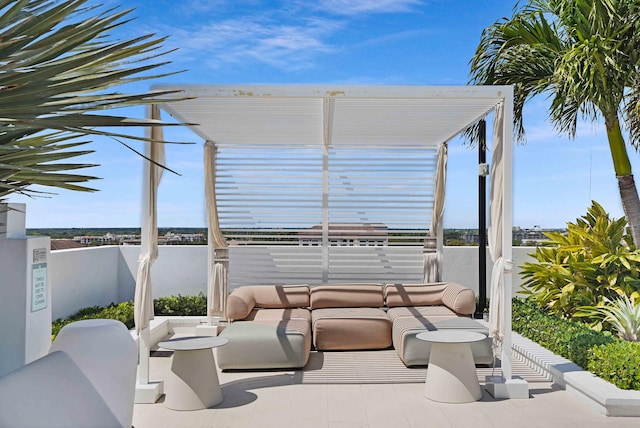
point(325, 164)
point(394, 247)
point(331, 298)
point(316, 166)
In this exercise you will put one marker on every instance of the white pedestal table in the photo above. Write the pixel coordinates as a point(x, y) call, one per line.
point(451, 374)
point(192, 383)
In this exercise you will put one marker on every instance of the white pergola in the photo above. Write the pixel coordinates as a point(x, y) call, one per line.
point(337, 116)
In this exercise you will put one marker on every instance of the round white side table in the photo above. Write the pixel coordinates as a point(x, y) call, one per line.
point(451, 374)
point(192, 383)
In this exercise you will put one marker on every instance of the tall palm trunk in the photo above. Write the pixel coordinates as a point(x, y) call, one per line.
point(630, 204)
point(626, 183)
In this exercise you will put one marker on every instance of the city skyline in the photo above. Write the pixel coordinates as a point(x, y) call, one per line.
point(388, 42)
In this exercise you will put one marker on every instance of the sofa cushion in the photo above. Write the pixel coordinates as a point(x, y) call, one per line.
point(258, 314)
point(240, 303)
point(415, 352)
point(414, 294)
point(420, 312)
point(457, 297)
point(244, 299)
point(347, 296)
point(267, 344)
point(281, 296)
point(351, 328)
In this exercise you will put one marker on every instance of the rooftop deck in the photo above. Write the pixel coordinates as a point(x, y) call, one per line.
point(367, 389)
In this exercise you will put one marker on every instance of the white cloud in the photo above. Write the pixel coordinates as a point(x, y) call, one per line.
point(357, 7)
point(291, 38)
point(233, 41)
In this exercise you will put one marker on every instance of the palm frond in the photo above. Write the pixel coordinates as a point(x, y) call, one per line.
point(583, 54)
point(59, 66)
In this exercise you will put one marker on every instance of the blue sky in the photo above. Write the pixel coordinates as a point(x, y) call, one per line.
point(386, 42)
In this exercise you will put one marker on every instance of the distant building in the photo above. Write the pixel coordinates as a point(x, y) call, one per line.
point(347, 234)
point(65, 244)
point(170, 238)
point(533, 235)
point(536, 234)
point(90, 240)
point(471, 238)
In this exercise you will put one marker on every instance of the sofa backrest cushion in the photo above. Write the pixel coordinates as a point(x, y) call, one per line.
point(456, 297)
point(244, 299)
point(347, 296)
point(414, 294)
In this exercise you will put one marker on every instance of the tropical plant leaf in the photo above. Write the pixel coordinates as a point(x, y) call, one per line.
point(580, 271)
point(584, 56)
point(59, 66)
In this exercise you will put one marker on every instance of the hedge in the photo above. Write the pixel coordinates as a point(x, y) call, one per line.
point(603, 354)
point(174, 305)
point(618, 363)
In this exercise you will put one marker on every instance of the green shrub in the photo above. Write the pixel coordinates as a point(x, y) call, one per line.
point(174, 305)
point(181, 305)
point(570, 339)
point(621, 315)
point(596, 260)
point(122, 312)
point(617, 362)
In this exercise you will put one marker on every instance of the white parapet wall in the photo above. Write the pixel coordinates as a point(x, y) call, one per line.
point(180, 269)
point(83, 277)
point(102, 275)
point(460, 264)
point(25, 291)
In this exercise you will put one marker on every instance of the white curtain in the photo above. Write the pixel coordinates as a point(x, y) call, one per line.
point(218, 262)
point(497, 312)
point(432, 251)
point(143, 301)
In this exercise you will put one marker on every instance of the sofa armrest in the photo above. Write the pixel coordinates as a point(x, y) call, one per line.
point(240, 303)
point(459, 298)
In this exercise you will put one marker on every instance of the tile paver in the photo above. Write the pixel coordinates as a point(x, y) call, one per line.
point(368, 397)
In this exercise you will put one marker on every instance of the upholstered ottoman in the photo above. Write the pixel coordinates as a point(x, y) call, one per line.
point(350, 328)
point(349, 316)
point(267, 344)
point(415, 352)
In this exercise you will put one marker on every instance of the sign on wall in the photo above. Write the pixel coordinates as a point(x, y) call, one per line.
point(39, 280)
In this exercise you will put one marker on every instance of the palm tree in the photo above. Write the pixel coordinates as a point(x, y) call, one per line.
point(58, 68)
point(585, 56)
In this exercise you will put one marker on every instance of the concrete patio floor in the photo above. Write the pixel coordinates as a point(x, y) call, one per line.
point(366, 389)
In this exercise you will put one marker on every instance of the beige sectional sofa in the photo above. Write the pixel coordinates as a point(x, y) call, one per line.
point(276, 326)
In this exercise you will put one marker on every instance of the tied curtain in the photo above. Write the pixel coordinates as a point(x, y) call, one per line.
point(143, 301)
point(218, 255)
point(497, 310)
point(432, 251)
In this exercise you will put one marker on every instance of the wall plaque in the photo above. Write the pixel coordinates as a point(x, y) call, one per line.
point(38, 286)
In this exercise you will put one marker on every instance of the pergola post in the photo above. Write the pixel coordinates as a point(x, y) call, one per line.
point(482, 219)
point(505, 386)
